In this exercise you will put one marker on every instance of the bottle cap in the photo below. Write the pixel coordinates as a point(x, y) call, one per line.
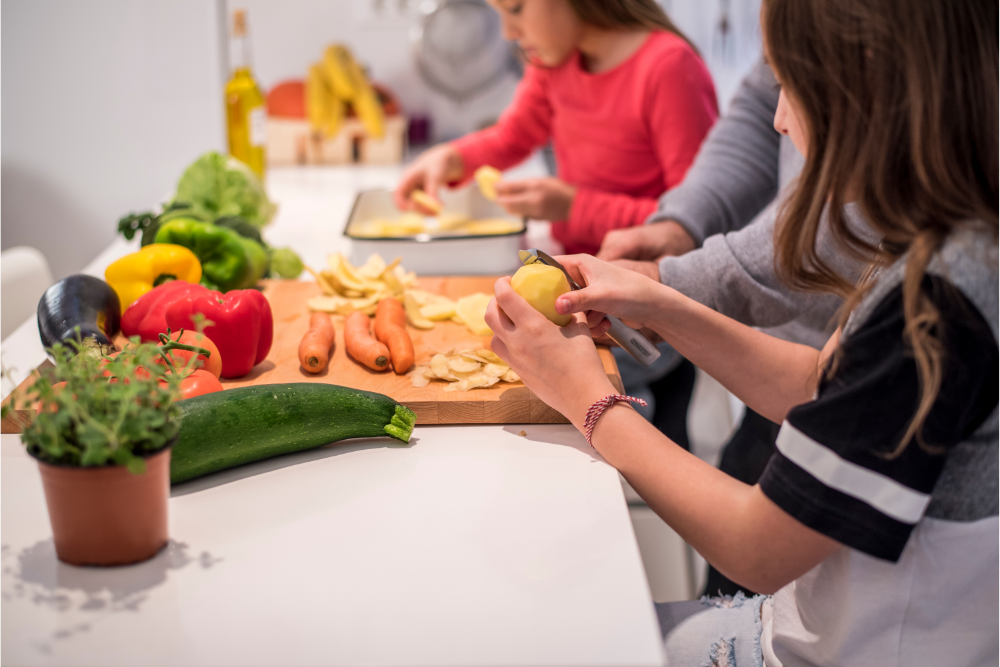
point(239, 22)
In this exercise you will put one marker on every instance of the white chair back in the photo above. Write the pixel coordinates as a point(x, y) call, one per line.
point(24, 277)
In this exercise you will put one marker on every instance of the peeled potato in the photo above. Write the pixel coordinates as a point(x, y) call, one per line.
point(487, 178)
point(540, 285)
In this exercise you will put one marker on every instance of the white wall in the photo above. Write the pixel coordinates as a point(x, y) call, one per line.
point(104, 104)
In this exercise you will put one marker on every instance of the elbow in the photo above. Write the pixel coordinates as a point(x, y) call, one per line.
point(759, 571)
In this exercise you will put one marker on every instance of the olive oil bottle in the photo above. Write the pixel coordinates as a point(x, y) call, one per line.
point(246, 112)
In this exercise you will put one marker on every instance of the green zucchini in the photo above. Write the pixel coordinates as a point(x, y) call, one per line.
point(236, 426)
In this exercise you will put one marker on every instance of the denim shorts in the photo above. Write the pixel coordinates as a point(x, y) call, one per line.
point(712, 632)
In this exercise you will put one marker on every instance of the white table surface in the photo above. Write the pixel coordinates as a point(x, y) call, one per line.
point(470, 546)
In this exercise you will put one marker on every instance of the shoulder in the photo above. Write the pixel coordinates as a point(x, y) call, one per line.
point(669, 53)
point(671, 69)
point(967, 262)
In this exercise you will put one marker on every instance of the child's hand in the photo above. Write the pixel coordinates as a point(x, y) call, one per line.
point(627, 294)
point(434, 168)
point(559, 364)
point(538, 198)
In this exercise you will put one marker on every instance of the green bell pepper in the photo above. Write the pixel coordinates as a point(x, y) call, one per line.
point(228, 260)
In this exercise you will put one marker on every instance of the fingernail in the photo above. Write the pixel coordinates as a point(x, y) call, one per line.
point(562, 305)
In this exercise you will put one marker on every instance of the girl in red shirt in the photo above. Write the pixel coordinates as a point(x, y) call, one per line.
point(623, 96)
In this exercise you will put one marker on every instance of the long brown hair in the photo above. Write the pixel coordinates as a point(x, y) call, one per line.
point(899, 100)
point(619, 14)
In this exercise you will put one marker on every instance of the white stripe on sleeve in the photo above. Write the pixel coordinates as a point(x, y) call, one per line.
point(884, 494)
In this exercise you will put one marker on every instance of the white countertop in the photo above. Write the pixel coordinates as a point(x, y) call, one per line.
point(470, 546)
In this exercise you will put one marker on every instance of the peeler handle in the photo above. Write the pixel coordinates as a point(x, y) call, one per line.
point(640, 347)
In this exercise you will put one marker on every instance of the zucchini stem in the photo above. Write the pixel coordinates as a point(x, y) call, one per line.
point(401, 424)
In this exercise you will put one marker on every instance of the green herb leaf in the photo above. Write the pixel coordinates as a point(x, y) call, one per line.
point(98, 410)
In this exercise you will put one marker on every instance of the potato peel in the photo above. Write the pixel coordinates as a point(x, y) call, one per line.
point(348, 288)
point(463, 370)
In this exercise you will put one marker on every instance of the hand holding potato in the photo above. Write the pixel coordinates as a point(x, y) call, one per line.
point(627, 294)
point(559, 364)
point(436, 167)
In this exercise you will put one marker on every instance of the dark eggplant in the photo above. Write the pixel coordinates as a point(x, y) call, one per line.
point(82, 302)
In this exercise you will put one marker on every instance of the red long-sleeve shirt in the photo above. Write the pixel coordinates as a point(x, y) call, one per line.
point(622, 137)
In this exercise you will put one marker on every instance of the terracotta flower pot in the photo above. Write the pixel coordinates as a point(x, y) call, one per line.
point(107, 515)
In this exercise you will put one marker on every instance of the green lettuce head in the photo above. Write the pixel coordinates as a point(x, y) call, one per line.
point(216, 186)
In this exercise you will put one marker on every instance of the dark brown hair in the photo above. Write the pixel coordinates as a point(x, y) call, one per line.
point(618, 14)
point(899, 103)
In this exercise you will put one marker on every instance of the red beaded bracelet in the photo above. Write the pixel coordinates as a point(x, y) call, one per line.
point(597, 409)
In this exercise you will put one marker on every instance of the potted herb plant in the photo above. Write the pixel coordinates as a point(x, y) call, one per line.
point(102, 439)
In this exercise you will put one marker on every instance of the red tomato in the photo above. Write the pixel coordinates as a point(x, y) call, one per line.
point(197, 383)
point(139, 371)
point(213, 364)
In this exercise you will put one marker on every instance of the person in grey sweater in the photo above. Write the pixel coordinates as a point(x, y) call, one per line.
point(711, 237)
point(712, 240)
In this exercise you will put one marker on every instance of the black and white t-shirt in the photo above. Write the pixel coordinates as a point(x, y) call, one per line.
point(918, 581)
point(834, 470)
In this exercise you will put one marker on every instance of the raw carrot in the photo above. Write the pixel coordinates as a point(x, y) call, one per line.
point(360, 344)
point(314, 350)
point(390, 328)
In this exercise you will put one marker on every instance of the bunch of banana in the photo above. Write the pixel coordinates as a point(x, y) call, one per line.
point(333, 84)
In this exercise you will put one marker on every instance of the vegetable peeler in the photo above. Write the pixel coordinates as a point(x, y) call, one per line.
point(633, 342)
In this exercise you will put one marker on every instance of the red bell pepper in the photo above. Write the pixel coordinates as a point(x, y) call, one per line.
point(242, 325)
point(147, 317)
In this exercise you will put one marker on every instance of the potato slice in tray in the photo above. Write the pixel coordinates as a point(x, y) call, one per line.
point(449, 221)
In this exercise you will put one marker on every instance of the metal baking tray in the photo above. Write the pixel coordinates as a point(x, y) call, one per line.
point(440, 254)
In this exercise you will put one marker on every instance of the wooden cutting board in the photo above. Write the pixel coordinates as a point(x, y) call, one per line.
point(503, 403)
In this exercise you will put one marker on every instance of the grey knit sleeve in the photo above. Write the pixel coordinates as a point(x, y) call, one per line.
point(735, 173)
point(734, 275)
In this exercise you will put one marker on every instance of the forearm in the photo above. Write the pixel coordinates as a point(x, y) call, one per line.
point(733, 525)
point(768, 374)
point(594, 213)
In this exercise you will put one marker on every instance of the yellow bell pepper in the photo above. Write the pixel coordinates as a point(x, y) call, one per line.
point(134, 275)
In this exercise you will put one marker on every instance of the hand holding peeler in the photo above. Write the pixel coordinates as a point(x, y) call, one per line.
point(631, 340)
